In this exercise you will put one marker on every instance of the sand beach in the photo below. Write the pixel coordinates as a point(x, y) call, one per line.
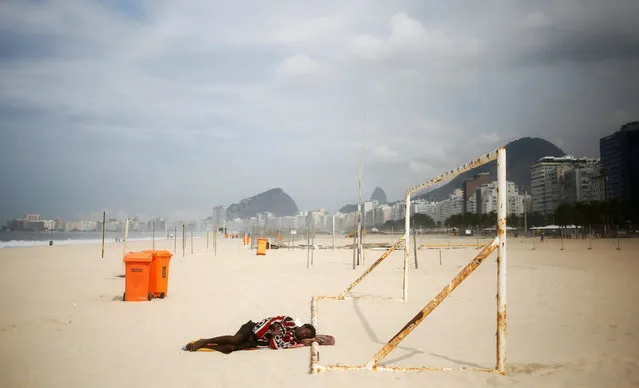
point(573, 316)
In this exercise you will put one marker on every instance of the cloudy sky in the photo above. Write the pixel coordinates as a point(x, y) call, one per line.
point(171, 107)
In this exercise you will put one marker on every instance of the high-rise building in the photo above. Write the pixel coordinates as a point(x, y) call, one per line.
point(470, 185)
point(620, 161)
point(486, 195)
point(219, 215)
point(546, 176)
point(580, 184)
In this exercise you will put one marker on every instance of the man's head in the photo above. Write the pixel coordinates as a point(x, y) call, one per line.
point(305, 331)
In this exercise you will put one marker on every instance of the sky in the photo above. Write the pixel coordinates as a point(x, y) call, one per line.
point(169, 108)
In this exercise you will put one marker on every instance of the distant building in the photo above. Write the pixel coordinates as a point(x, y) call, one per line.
point(30, 222)
point(487, 199)
point(219, 215)
point(386, 213)
point(546, 176)
point(428, 208)
point(580, 184)
point(470, 185)
point(454, 204)
point(620, 161)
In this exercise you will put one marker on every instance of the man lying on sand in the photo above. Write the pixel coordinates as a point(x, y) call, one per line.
point(279, 332)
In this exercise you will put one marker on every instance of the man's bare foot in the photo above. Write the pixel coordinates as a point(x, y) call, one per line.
point(194, 346)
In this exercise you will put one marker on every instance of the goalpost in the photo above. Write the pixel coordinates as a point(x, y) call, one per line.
point(498, 243)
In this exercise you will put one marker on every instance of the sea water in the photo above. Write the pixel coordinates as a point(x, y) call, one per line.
point(21, 239)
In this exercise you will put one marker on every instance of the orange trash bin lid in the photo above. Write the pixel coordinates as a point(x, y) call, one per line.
point(138, 257)
point(158, 253)
point(163, 253)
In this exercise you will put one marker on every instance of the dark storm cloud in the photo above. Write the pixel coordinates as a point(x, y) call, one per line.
point(562, 45)
point(103, 102)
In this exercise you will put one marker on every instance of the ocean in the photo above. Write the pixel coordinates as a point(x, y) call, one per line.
point(18, 239)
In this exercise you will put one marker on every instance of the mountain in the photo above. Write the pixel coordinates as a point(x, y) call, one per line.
point(520, 154)
point(348, 208)
point(275, 201)
point(379, 195)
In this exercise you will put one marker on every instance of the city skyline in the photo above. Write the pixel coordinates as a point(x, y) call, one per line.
point(167, 108)
point(483, 180)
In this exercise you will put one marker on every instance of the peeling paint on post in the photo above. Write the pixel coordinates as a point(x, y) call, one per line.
point(314, 345)
point(502, 211)
point(421, 315)
point(453, 173)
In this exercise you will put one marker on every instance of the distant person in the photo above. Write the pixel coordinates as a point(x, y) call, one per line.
point(50, 243)
point(280, 332)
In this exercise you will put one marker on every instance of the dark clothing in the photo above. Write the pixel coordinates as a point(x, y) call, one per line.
point(276, 332)
point(262, 334)
point(249, 339)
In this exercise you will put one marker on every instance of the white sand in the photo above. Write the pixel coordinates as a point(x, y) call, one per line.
point(573, 317)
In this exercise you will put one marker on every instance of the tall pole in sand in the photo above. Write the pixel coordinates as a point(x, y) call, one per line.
point(406, 247)
point(308, 247)
point(618, 246)
point(175, 240)
point(126, 236)
point(359, 200)
point(525, 213)
point(502, 211)
point(415, 246)
point(313, 243)
point(191, 241)
point(354, 249)
point(333, 230)
point(183, 240)
point(103, 228)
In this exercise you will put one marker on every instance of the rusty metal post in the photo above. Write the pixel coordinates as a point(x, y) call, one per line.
point(314, 345)
point(406, 242)
point(502, 211)
point(417, 319)
point(453, 173)
point(370, 269)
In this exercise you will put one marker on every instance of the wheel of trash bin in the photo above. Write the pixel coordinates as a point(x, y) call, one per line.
point(150, 296)
point(124, 296)
point(162, 295)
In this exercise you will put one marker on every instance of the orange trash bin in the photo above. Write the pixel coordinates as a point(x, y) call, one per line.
point(261, 246)
point(137, 274)
point(159, 274)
